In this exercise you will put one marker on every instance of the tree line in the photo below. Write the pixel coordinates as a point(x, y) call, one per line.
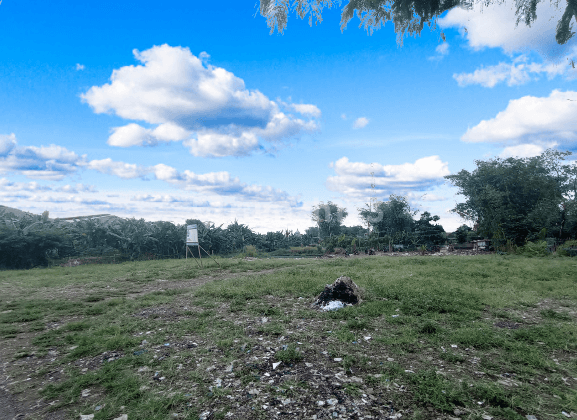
point(510, 201)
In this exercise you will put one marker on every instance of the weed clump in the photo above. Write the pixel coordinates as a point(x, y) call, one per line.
point(289, 355)
point(428, 328)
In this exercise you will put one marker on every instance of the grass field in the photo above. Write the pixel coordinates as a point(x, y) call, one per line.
point(467, 337)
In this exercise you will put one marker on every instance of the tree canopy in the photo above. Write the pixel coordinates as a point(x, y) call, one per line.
point(329, 218)
point(408, 16)
point(515, 198)
point(390, 217)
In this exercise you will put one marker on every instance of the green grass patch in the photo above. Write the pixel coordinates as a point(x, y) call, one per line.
point(437, 302)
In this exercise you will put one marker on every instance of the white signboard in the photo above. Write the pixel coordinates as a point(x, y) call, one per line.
point(191, 235)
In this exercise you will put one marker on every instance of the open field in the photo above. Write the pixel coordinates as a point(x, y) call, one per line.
point(475, 336)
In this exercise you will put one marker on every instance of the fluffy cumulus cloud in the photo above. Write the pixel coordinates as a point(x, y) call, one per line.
point(493, 26)
point(530, 120)
point(360, 122)
point(119, 169)
point(516, 73)
point(180, 97)
point(54, 163)
point(45, 162)
point(355, 179)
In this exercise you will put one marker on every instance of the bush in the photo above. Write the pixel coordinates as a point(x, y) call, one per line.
point(534, 249)
point(568, 249)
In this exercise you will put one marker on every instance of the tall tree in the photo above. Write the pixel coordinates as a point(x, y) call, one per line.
point(408, 16)
point(461, 233)
point(390, 218)
point(514, 199)
point(329, 218)
point(427, 233)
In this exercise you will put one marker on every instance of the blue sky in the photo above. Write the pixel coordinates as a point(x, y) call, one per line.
point(175, 110)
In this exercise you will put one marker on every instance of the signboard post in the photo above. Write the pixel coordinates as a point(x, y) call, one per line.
point(192, 240)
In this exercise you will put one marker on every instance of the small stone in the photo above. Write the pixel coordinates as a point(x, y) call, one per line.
point(275, 365)
point(204, 416)
point(308, 364)
point(85, 393)
point(408, 371)
point(566, 414)
point(338, 359)
point(143, 369)
point(454, 346)
point(530, 417)
point(320, 403)
point(390, 359)
point(395, 316)
point(486, 417)
point(332, 401)
point(122, 417)
point(86, 416)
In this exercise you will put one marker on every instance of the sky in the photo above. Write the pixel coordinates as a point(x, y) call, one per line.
point(181, 110)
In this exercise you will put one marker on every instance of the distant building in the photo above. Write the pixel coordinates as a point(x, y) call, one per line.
point(481, 244)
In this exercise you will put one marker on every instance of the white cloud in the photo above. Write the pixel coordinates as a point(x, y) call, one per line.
point(44, 162)
point(433, 197)
point(131, 135)
point(360, 122)
point(165, 198)
point(11, 186)
point(7, 143)
point(441, 50)
point(119, 169)
point(354, 179)
point(79, 66)
point(56, 162)
point(210, 143)
point(530, 119)
point(513, 74)
point(222, 184)
point(525, 150)
point(307, 109)
point(494, 27)
point(182, 95)
point(344, 116)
